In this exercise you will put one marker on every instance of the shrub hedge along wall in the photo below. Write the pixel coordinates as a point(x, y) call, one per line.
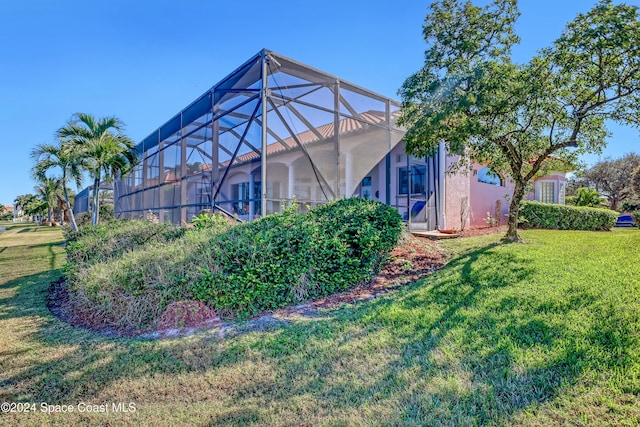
point(560, 217)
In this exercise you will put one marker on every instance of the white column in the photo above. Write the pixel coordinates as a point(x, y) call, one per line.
point(292, 178)
point(348, 175)
point(252, 181)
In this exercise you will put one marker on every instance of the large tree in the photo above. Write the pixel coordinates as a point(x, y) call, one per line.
point(61, 158)
point(635, 181)
point(106, 150)
point(614, 178)
point(521, 119)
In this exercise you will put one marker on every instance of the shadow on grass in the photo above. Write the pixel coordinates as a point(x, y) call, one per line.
point(442, 351)
point(31, 229)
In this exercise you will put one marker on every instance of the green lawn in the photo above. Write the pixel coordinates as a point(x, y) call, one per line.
point(544, 333)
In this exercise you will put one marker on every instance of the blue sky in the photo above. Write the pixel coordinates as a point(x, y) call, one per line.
point(143, 61)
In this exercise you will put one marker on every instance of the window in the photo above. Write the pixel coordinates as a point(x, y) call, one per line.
point(487, 176)
point(418, 180)
point(240, 195)
point(561, 194)
point(547, 190)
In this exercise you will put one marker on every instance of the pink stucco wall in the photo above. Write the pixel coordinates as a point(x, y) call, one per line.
point(467, 201)
point(457, 200)
point(484, 198)
point(558, 178)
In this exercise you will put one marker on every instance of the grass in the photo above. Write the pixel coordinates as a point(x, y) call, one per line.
point(545, 333)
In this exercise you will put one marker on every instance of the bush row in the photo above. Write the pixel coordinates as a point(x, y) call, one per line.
point(240, 270)
point(553, 216)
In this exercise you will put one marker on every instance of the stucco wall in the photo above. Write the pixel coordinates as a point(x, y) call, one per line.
point(485, 198)
point(457, 201)
point(558, 178)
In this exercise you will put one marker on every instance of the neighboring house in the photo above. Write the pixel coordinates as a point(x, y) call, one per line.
point(550, 188)
point(17, 212)
point(322, 138)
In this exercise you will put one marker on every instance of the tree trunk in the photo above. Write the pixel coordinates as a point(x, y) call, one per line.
point(96, 207)
point(514, 208)
point(74, 226)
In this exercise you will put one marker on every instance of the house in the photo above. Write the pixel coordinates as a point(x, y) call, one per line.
point(275, 130)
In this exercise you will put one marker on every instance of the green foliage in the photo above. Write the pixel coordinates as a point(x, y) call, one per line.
point(614, 177)
point(63, 157)
point(553, 324)
point(554, 216)
point(103, 149)
point(106, 214)
point(636, 217)
point(630, 207)
point(94, 244)
point(131, 290)
point(210, 220)
point(521, 120)
point(127, 271)
point(635, 181)
point(588, 197)
point(286, 258)
point(31, 204)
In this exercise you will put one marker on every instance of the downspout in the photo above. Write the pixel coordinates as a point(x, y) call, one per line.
point(441, 222)
point(263, 154)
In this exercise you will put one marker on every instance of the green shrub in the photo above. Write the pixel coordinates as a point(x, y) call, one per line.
point(210, 220)
point(552, 216)
point(275, 261)
point(588, 197)
point(132, 290)
point(106, 240)
point(636, 217)
point(286, 258)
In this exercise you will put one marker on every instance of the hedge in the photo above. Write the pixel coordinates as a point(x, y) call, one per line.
point(238, 270)
point(286, 258)
point(560, 217)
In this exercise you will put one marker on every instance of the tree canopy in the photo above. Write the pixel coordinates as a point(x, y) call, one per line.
point(614, 178)
point(60, 158)
point(103, 147)
point(522, 120)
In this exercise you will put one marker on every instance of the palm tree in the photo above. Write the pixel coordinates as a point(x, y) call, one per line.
point(64, 158)
point(31, 205)
point(48, 190)
point(62, 205)
point(108, 152)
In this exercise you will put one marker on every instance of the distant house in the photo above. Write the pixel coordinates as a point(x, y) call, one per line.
point(274, 130)
point(17, 211)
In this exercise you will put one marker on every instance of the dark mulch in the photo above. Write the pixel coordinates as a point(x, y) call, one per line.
point(482, 231)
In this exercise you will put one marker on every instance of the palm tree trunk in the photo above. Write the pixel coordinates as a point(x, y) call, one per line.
point(96, 207)
point(74, 226)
